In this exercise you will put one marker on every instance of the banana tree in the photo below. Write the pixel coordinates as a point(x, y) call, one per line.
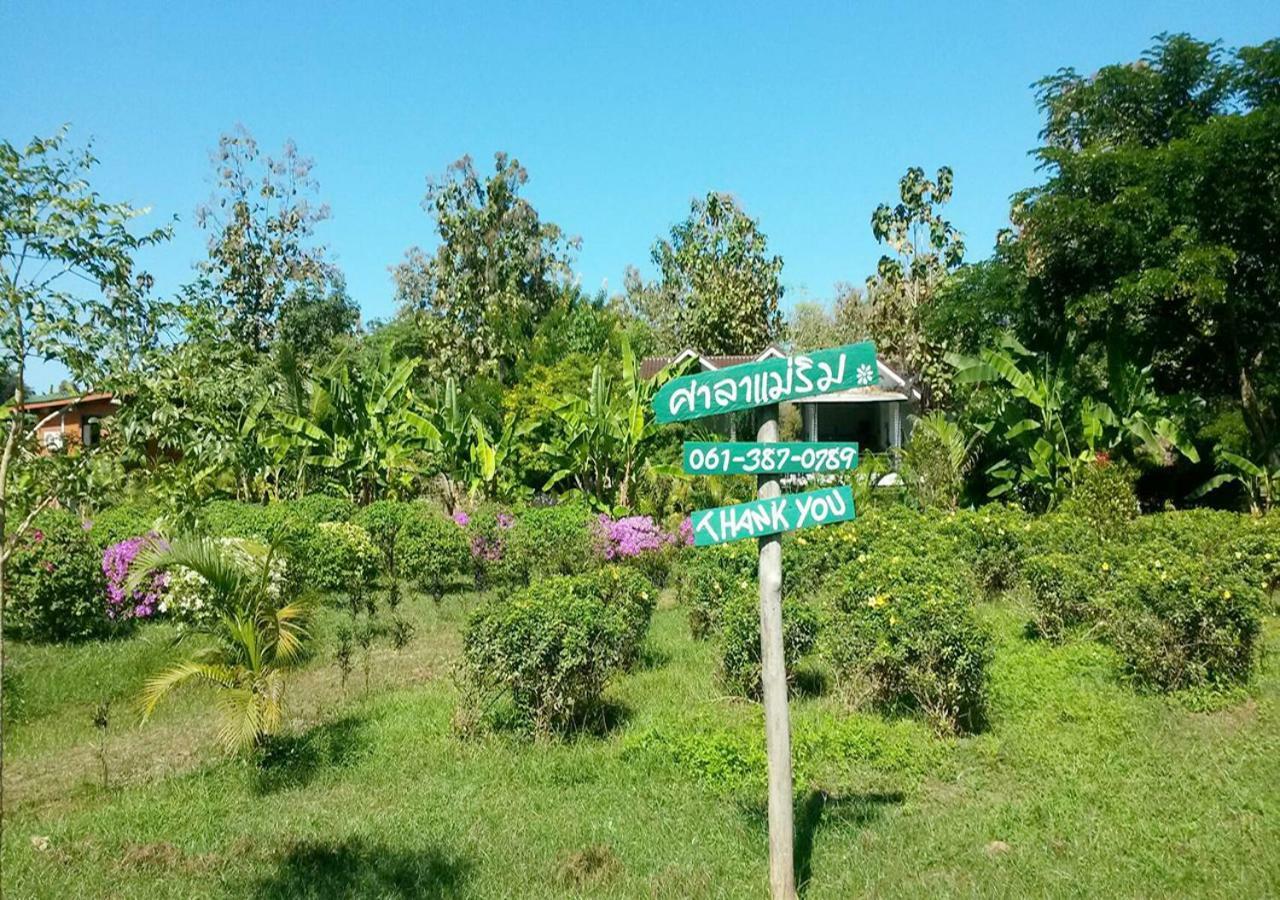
point(605, 436)
point(1044, 440)
point(1260, 482)
point(365, 431)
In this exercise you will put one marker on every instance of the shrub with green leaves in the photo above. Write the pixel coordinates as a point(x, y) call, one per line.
point(551, 649)
point(432, 550)
point(316, 508)
point(341, 557)
point(56, 587)
point(991, 538)
point(709, 576)
point(382, 519)
point(1185, 620)
point(631, 596)
point(550, 540)
point(1066, 591)
point(902, 632)
point(740, 641)
point(119, 523)
point(1103, 496)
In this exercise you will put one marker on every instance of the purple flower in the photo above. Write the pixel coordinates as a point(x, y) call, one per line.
point(686, 532)
point(506, 520)
point(87, 525)
point(489, 549)
point(141, 603)
point(37, 535)
point(630, 536)
point(461, 518)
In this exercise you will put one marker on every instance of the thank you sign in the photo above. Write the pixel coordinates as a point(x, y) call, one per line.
point(772, 516)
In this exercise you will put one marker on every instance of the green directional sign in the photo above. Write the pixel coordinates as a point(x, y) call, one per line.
point(772, 516)
point(769, 381)
point(747, 458)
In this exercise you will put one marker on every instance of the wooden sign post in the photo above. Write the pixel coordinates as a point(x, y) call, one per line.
point(773, 681)
point(764, 385)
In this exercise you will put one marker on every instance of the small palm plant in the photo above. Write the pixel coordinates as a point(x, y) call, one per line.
point(258, 635)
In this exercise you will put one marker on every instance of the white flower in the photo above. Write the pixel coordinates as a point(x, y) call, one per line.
point(865, 374)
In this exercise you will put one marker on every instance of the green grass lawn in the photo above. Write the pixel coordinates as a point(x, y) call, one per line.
point(1079, 787)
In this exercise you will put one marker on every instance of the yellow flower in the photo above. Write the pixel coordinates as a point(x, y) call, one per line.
point(1226, 595)
point(801, 541)
point(1106, 567)
point(877, 601)
point(893, 620)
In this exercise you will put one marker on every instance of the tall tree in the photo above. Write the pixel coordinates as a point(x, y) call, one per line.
point(925, 249)
point(261, 223)
point(718, 275)
point(495, 273)
point(1157, 230)
point(70, 294)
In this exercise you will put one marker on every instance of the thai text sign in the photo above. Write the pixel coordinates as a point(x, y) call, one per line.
point(769, 381)
point(776, 514)
point(746, 458)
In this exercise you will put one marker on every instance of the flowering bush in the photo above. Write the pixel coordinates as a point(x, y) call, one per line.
point(639, 541)
point(141, 603)
point(903, 632)
point(55, 582)
point(630, 536)
point(190, 598)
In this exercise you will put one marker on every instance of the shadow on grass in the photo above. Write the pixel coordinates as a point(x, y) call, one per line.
point(292, 761)
point(651, 658)
point(809, 683)
point(599, 721)
point(357, 868)
point(821, 809)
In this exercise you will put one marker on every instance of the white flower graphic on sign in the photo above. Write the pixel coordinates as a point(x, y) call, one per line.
point(865, 375)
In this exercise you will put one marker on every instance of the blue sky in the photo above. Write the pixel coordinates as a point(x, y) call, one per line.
point(621, 113)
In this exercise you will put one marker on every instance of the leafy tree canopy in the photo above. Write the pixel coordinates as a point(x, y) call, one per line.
point(494, 275)
point(720, 288)
point(261, 221)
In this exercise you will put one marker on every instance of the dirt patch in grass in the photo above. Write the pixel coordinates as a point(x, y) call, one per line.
point(588, 868)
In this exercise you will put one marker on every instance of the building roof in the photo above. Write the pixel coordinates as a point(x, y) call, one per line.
point(652, 365)
point(50, 402)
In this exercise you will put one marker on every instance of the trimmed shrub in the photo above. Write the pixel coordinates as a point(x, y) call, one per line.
point(740, 641)
point(231, 518)
point(1065, 590)
point(316, 508)
point(340, 556)
point(383, 519)
point(709, 577)
point(903, 633)
point(1104, 497)
point(551, 648)
point(431, 550)
point(549, 540)
point(56, 588)
point(631, 596)
point(991, 539)
point(120, 523)
point(1182, 620)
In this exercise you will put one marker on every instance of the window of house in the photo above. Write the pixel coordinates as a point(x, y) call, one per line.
point(90, 430)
